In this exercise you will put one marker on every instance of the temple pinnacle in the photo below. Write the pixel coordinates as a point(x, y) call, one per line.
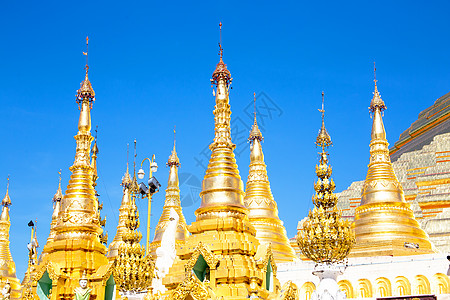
point(323, 138)
point(86, 89)
point(6, 200)
point(255, 133)
point(58, 195)
point(376, 102)
point(173, 158)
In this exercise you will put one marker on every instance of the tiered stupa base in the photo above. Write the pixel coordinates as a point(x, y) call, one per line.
point(388, 229)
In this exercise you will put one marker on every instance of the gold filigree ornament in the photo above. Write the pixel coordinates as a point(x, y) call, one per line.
point(325, 236)
point(133, 269)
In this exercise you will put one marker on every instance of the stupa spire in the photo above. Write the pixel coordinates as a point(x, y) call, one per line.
point(218, 193)
point(263, 210)
point(125, 211)
point(384, 221)
point(76, 246)
point(222, 230)
point(8, 267)
point(6, 203)
point(57, 198)
point(172, 202)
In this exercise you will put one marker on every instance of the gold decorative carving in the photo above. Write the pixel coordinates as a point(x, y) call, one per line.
point(194, 287)
point(209, 257)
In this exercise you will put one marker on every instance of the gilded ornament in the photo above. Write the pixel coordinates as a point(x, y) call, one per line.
point(325, 237)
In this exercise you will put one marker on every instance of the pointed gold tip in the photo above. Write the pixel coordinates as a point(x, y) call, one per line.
point(255, 133)
point(173, 158)
point(7, 200)
point(377, 102)
point(86, 90)
point(323, 138)
point(58, 195)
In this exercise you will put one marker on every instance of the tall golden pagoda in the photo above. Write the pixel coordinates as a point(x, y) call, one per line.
point(222, 257)
point(7, 266)
point(263, 210)
point(76, 249)
point(172, 201)
point(384, 222)
point(124, 213)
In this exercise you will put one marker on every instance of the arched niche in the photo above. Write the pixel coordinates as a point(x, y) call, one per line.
point(402, 286)
point(44, 285)
point(383, 287)
point(364, 288)
point(347, 288)
point(421, 285)
point(306, 290)
point(440, 284)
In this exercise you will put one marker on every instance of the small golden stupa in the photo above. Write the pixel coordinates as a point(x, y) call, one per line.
point(384, 221)
point(172, 202)
point(124, 213)
point(263, 210)
point(325, 237)
point(7, 267)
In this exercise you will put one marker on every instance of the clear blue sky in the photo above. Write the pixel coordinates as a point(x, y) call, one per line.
point(150, 67)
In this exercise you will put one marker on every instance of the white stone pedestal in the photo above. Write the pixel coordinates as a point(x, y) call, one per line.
point(328, 288)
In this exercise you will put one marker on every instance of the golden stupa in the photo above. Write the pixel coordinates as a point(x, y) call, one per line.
point(124, 214)
point(7, 266)
point(222, 257)
point(384, 222)
point(263, 210)
point(172, 202)
point(74, 247)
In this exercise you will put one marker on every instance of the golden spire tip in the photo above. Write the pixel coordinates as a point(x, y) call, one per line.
point(173, 158)
point(323, 138)
point(220, 41)
point(255, 133)
point(6, 200)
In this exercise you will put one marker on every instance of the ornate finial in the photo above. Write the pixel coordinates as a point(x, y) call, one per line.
point(255, 133)
point(86, 91)
point(134, 186)
point(221, 72)
point(58, 195)
point(323, 138)
point(6, 200)
point(86, 53)
point(126, 179)
point(374, 74)
point(173, 158)
point(325, 237)
point(95, 147)
point(377, 102)
point(220, 41)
